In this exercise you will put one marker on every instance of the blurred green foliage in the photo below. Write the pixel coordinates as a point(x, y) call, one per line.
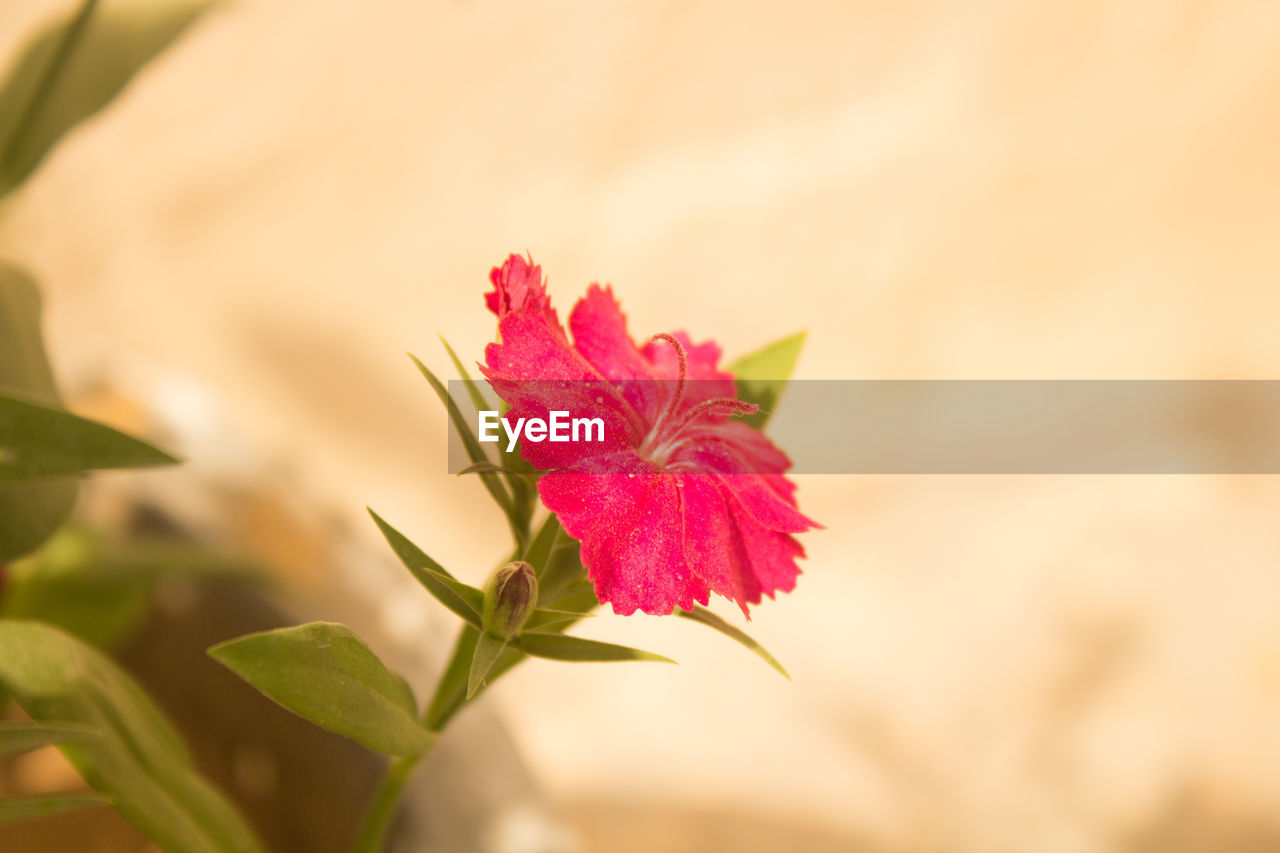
point(74, 67)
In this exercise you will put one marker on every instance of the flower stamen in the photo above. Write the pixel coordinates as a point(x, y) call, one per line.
point(673, 403)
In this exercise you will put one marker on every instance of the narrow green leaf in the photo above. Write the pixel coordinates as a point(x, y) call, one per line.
point(490, 467)
point(138, 760)
point(324, 673)
point(488, 649)
point(472, 599)
point(473, 390)
point(432, 575)
point(544, 618)
point(474, 452)
point(451, 691)
point(706, 617)
point(41, 440)
point(519, 474)
point(29, 512)
point(564, 576)
point(561, 647)
point(18, 736)
point(75, 66)
point(539, 551)
point(18, 809)
point(761, 376)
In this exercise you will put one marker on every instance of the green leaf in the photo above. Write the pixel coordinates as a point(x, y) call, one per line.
point(138, 760)
point(74, 67)
point(29, 512)
point(538, 554)
point(761, 376)
point(561, 647)
point(451, 691)
point(706, 617)
point(40, 440)
point(324, 673)
point(490, 467)
point(463, 600)
point(483, 658)
point(473, 390)
point(17, 809)
point(565, 578)
point(474, 452)
point(543, 618)
point(519, 473)
point(18, 736)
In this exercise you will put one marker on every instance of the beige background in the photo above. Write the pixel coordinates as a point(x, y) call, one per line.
point(275, 211)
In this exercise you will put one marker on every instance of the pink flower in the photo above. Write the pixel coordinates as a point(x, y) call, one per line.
point(678, 500)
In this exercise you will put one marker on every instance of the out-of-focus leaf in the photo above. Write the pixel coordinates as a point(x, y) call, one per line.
point(450, 592)
point(138, 760)
point(18, 809)
point(483, 659)
point(761, 376)
point(29, 512)
point(99, 590)
point(562, 647)
point(324, 673)
point(74, 67)
point(24, 366)
point(40, 440)
point(711, 620)
point(18, 736)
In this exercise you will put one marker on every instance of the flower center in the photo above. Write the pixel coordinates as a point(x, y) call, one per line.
point(664, 438)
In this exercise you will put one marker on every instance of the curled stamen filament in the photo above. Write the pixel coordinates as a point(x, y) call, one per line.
point(715, 404)
point(683, 360)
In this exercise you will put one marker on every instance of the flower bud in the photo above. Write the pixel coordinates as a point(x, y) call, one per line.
point(509, 599)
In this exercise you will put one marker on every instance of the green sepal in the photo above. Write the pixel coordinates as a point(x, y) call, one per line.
point(711, 620)
point(451, 691)
point(483, 658)
point(327, 675)
point(761, 376)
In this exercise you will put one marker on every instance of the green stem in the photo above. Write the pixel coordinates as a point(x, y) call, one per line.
point(385, 802)
point(449, 699)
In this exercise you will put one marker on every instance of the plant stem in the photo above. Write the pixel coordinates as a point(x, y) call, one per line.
point(385, 802)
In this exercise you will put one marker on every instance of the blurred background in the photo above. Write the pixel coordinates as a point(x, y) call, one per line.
point(245, 243)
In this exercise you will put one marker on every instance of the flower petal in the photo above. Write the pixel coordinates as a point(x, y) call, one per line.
point(772, 510)
point(599, 331)
point(709, 541)
point(630, 528)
